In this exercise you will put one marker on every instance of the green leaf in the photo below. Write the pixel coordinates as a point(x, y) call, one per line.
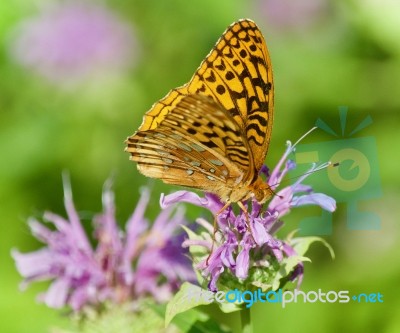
point(286, 267)
point(195, 251)
point(227, 307)
point(195, 321)
point(147, 317)
point(302, 244)
point(188, 297)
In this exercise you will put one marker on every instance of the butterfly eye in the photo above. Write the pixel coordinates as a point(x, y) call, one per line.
point(259, 195)
point(262, 191)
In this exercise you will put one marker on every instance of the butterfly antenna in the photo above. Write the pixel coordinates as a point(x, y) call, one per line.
point(275, 193)
point(321, 167)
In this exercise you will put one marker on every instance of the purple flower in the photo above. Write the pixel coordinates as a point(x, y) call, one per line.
point(122, 267)
point(71, 40)
point(242, 244)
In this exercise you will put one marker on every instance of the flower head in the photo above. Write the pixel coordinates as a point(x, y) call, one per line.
point(245, 243)
point(71, 40)
point(122, 267)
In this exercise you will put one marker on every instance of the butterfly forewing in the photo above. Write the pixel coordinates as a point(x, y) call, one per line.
point(198, 144)
point(237, 74)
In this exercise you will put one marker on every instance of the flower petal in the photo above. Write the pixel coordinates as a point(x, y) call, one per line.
point(208, 201)
point(56, 295)
point(259, 232)
point(320, 199)
point(280, 204)
point(242, 263)
point(34, 264)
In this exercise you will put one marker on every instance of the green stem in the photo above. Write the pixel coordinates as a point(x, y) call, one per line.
point(245, 321)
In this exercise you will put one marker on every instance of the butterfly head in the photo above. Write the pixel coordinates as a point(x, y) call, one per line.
point(261, 191)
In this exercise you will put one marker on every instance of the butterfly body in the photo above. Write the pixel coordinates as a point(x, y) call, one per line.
point(213, 133)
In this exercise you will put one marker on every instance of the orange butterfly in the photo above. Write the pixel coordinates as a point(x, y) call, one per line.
point(213, 133)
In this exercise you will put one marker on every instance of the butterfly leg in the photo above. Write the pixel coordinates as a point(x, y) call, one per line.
point(246, 214)
point(216, 228)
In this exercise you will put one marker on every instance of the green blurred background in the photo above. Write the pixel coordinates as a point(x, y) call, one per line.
point(324, 53)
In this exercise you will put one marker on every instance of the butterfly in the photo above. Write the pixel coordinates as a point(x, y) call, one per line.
point(213, 133)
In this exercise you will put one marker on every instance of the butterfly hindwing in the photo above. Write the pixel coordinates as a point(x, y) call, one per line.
point(198, 144)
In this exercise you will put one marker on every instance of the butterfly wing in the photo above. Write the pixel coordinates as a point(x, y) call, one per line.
point(198, 144)
point(237, 74)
